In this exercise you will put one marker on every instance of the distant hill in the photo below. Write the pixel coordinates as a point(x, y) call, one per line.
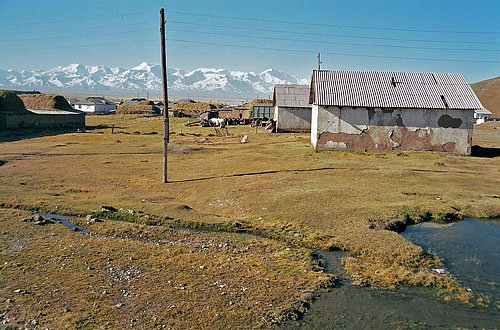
point(488, 92)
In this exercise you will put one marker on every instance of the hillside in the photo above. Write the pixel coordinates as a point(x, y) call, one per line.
point(488, 92)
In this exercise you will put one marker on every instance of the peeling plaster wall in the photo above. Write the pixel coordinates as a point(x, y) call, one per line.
point(377, 129)
point(289, 119)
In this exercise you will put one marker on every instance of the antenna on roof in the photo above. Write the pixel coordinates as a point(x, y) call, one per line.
point(319, 61)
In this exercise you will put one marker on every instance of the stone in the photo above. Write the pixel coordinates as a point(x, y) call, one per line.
point(358, 283)
point(106, 208)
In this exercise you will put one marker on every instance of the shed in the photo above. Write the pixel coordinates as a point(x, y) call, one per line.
point(95, 104)
point(139, 107)
point(392, 111)
point(38, 111)
point(482, 115)
point(292, 111)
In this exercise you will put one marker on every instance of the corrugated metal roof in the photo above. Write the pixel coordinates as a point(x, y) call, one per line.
point(296, 96)
point(392, 90)
point(55, 112)
point(483, 111)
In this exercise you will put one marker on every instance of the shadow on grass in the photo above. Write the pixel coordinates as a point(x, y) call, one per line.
point(308, 170)
point(30, 133)
point(26, 133)
point(478, 151)
point(259, 173)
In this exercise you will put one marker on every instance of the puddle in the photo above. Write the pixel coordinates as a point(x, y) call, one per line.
point(469, 249)
point(64, 221)
point(470, 252)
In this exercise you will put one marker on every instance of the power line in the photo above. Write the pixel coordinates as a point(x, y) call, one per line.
point(333, 53)
point(335, 35)
point(78, 19)
point(76, 29)
point(79, 46)
point(258, 48)
point(255, 37)
point(335, 43)
point(333, 25)
point(79, 36)
point(250, 29)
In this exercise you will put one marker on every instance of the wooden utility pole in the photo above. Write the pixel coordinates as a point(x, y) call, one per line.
point(319, 62)
point(165, 94)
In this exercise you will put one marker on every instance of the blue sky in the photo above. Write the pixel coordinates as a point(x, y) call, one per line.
point(435, 36)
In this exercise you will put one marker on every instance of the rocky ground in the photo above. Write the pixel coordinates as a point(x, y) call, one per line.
point(124, 275)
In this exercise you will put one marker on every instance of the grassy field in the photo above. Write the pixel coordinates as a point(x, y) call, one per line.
point(273, 185)
point(127, 275)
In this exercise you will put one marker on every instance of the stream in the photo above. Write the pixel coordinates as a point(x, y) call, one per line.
point(470, 251)
point(64, 221)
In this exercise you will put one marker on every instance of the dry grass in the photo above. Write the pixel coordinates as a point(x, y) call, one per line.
point(45, 102)
point(126, 276)
point(138, 108)
point(274, 184)
point(256, 101)
point(11, 103)
point(195, 106)
point(146, 102)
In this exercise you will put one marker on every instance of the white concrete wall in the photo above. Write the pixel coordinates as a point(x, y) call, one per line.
point(391, 129)
point(314, 125)
point(95, 108)
point(293, 119)
point(85, 108)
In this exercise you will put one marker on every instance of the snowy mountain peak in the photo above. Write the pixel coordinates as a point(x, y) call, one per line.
point(144, 66)
point(201, 82)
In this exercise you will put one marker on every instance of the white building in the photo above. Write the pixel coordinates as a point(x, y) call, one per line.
point(94, 104)
point(292, 111)
point(392, 111)
point(482, 115)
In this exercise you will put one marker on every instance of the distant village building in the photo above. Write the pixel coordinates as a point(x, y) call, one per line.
point(292, 111)
point(138, 106)
point(94, 104)
point(392, 111)
point(239, 114)
point(482, 115)
point(25, 92)
point(38, 111)
point(262, 111)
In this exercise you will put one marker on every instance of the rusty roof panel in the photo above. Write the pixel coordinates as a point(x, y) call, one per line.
point(392, 89)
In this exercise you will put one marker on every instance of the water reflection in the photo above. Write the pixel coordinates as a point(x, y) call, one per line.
point(470, 250)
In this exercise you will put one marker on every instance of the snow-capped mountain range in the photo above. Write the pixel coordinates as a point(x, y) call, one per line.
point(201, 82)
